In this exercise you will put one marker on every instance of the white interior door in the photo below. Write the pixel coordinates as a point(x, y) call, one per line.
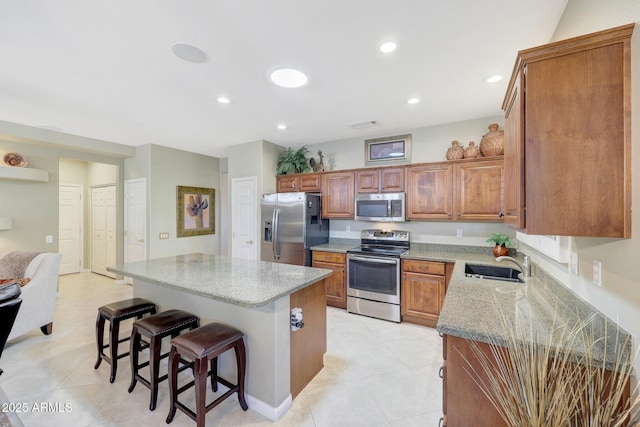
point(244, 214)
point(110, 205)
point(103, 229)
point(98, 225)
point(70, 224)
point(135, 221)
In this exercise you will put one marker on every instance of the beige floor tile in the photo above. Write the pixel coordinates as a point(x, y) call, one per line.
point(376, 373)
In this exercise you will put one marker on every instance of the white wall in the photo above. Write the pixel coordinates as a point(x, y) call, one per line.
point(429, 144)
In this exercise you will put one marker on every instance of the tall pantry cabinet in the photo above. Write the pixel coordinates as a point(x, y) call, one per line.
point(567, 143)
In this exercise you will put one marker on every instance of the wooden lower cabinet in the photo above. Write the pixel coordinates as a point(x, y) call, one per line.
point(336, 284)
point(463, 401)
point(309, 344)
point(424, 284)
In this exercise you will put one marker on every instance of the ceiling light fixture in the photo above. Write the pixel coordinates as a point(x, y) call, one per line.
point(493, 79)
point(288, 77)
point(189, 53)
point(223, 100)
point(282, 126)
point(388, 47)
point(413, 100)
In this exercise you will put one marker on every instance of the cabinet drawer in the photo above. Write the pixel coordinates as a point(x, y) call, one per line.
point(430, 267)
point(329, 257)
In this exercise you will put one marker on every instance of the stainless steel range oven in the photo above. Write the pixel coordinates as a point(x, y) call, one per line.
point(373, 274)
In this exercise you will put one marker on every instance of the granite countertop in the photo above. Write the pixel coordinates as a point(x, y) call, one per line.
point(337, 245)
point(247, 283)
point(489, 310)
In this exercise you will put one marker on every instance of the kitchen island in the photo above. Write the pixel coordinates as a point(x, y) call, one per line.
point(255, 297)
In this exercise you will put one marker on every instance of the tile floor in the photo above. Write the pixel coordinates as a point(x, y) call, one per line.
point(376, 373)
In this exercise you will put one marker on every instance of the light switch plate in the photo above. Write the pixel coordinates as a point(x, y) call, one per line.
point(573, 262)
point(597, 273)
point(48, 238)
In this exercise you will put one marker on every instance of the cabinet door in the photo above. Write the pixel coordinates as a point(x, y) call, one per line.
point(514, 156)
point(337, 195)
point(336, 285)
point(577, 151)
point(392, 180)
point(309, 182)
point(367, 181)
point(422, 296)
point(478, 190)
point(429, 192)
point(287, 183)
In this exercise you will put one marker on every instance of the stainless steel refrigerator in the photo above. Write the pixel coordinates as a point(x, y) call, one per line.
point(291, 224)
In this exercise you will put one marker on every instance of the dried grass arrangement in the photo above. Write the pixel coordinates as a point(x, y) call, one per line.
point(535, 383)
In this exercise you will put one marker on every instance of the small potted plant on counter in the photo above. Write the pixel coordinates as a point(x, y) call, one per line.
point(501, 241)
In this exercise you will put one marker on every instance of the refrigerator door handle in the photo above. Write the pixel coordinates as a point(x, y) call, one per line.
point(274, 238)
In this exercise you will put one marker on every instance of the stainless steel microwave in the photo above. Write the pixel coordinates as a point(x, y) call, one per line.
point(379, 207)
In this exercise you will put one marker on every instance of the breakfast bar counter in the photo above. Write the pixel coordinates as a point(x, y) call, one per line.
point(255, 297)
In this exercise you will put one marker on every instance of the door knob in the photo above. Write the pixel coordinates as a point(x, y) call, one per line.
point(141, 240)
point(250, 242)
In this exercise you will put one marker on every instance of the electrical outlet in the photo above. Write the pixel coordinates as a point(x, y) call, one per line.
point(573, 262)
point(348, 228)
point(459, 232)
point(597, 273)
point(48, 238)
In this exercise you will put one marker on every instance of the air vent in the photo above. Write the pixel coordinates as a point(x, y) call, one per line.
point(364, 125)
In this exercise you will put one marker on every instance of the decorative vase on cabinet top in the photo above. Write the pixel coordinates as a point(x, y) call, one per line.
point(492, 143)
point(455, 152)
point(472, 151)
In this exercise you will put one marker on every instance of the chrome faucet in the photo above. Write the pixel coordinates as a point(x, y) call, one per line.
point(525, 267)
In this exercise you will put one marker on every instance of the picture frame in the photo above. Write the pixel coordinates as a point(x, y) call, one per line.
point(195, 211)
point(388, 150)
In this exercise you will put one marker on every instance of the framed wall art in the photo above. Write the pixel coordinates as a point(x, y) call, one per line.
point(389, 150)
point(195, 211)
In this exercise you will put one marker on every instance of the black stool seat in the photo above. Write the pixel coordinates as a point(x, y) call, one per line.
point(203, 345)
point(154, 328)
point(116, 312)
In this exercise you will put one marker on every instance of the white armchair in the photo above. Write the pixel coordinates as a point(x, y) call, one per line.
point(38, 296)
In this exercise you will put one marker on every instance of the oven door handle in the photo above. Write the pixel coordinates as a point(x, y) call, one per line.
point(373, 260)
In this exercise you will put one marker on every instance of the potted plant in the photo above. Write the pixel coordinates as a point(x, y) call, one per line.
point(501, 241)
point(293, 161)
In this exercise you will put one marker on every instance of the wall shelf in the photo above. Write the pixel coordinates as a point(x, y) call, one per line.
point(24, 174)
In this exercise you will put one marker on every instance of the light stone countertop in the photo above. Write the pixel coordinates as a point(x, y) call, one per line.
point(474, 308)
point(334, 247)
point(247, 283)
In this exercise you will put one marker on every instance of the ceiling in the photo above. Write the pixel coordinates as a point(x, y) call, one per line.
point(105, 69)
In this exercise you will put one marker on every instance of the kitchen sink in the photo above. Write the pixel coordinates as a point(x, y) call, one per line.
point(492, 272)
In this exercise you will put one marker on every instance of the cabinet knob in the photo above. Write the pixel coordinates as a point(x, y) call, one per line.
point(441, 372)
point(459, 214)
point(449, 214)
point(500, 214)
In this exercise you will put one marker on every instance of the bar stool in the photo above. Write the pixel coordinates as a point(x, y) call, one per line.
point(115, 313)
point(154, 328)
point(203, 345)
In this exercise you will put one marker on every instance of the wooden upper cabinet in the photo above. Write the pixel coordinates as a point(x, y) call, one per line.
point(298, 182)
point(514, 213)
point(478, 190)
point(429, 191)
point(337, 195)
point(577, 135)
point(468, 190)
point(383, 180)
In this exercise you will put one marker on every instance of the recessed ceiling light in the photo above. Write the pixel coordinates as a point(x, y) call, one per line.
point(388, 47)
point(288, 77)
point(223, 100)
point(493, 79)
point(282, 126)
point(413, 100)
point(189, 53)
